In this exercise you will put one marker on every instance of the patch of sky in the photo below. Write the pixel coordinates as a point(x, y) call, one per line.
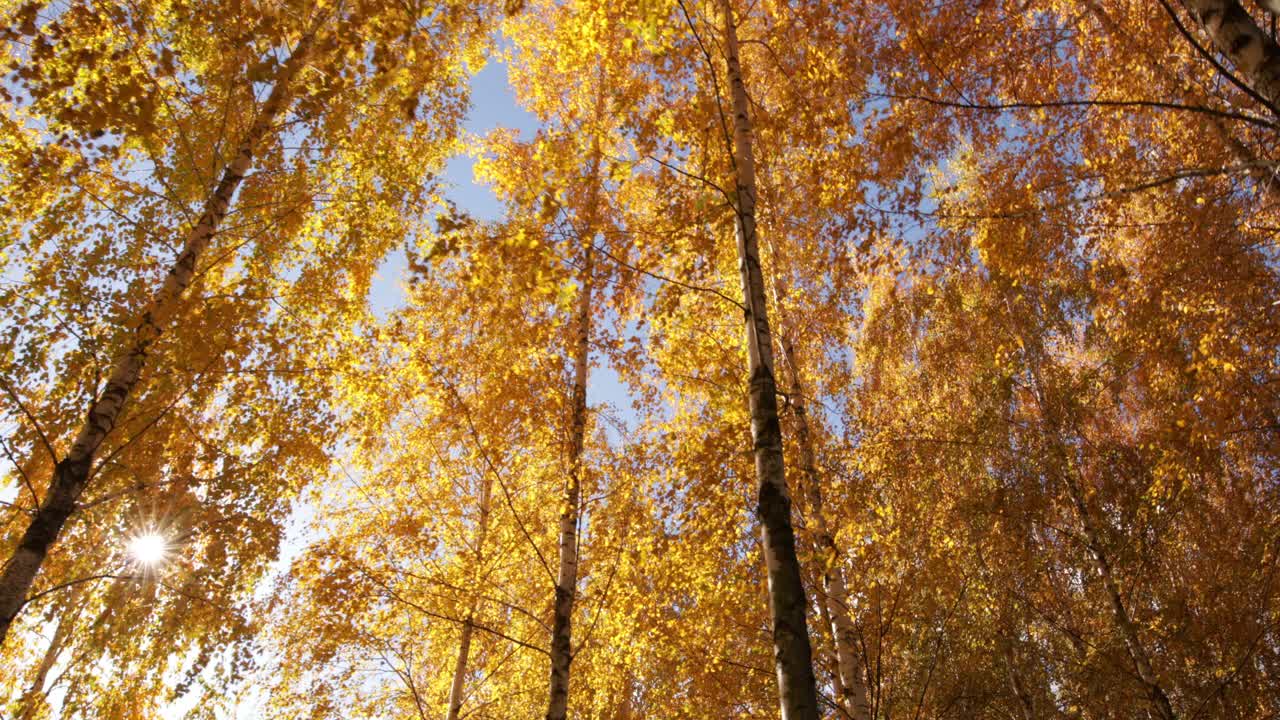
point(493, 106)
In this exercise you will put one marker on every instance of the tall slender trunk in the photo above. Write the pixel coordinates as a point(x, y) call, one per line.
point(833, 603)
point(1055, 430)
point(1128, 630)
point(837, 683)
point(71, 474)
point(1254, 54)
point(792, 654)
point(460, 667)
point(457, 689)
point(567, 582)
point(851, 688)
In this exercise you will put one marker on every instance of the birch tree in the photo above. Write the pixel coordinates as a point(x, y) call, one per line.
point(787, 602)
point(241, 288)
point(71, 474)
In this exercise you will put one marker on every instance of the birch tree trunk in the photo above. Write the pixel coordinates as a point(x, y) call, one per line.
point(851, 689)
point(792, 654)
point(71, 474)
point(1244, 155)
point(837, 684)
point(567, 582)
point(460, 667)
point(457, 690)
point(1054, 423)
point(1254, 54)
point(833, 603)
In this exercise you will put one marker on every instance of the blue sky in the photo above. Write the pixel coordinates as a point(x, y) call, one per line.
point(493, 105)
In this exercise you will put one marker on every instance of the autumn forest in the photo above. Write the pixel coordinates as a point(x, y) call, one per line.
point(901, 360)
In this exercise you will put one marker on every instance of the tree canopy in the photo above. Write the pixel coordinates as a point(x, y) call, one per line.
point(821, 360)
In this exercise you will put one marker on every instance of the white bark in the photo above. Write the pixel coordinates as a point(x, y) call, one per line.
point(792, 653)
point(837, 683)
point(1234, 33)
point(851, 688)
point(1026, 703)
point(457, 689)
point(1241, 153)
point(567, 580)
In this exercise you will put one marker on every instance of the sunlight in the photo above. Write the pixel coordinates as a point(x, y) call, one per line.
point(148, 548)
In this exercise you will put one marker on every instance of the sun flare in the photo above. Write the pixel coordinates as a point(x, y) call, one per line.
point(148, 548)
